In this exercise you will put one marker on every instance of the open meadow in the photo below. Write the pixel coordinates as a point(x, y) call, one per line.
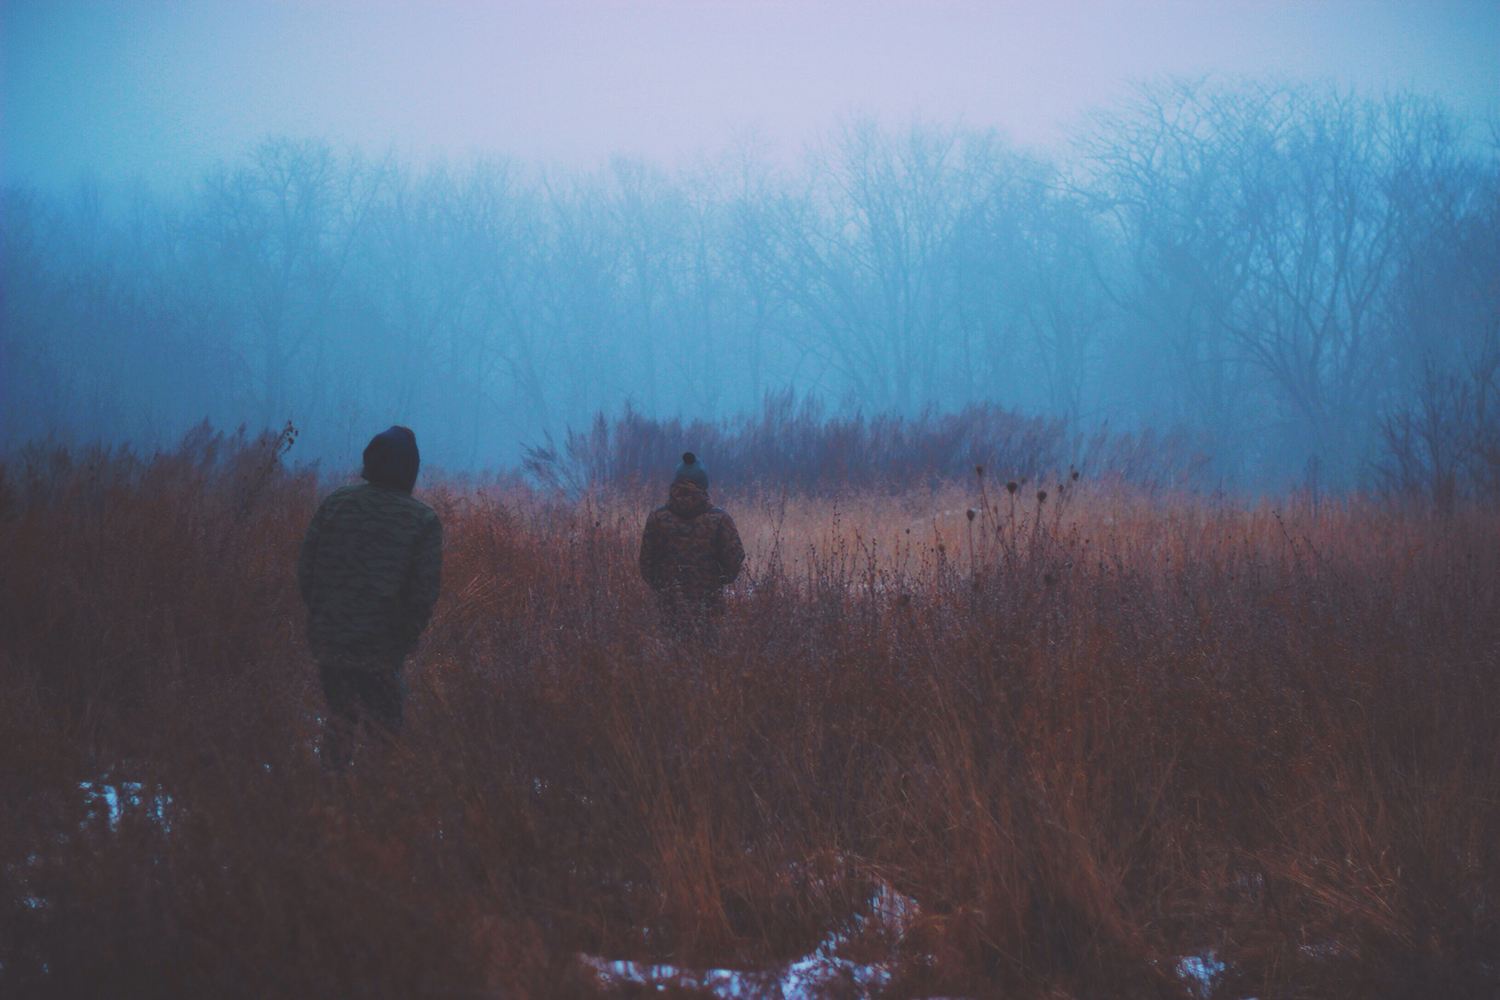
point(948, 741)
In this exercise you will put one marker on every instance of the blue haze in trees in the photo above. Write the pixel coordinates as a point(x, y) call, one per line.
point(490, 224)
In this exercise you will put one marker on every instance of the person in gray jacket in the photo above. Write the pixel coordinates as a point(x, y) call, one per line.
point(370, 571)
point(690, 550)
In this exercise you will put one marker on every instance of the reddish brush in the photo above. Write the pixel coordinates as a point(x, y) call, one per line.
point(1085, 737)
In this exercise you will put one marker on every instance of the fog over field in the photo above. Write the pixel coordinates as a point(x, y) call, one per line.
point(1269, 228)
point(1086, 582)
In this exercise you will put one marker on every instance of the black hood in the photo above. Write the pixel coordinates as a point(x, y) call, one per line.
point(391, 459)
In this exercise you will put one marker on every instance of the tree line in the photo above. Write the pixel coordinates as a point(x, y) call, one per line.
point(1303, 281)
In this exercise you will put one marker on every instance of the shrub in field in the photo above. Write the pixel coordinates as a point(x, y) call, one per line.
point(797, 447)
point(1064, 739)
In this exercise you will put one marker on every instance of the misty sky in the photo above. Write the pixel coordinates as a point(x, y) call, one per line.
point(162, 90)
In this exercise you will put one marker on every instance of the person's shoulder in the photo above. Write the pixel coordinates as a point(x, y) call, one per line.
point(341, 497)
point(661, 515)
point(415, 507)
point(720, 513)
point(428, 516)
point(381, 502)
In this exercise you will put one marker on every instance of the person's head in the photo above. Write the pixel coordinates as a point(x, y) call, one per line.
point(691, 471)
point(391, 459)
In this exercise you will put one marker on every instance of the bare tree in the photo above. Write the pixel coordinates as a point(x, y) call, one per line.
point(868, 257)
point(281, 230)
point(1289, 272)
point(1159, 170)
point(1441, 433)
point(1266, 224)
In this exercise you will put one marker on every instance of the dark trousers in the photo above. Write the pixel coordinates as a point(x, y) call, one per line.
point(364, 699)
point(689, 616)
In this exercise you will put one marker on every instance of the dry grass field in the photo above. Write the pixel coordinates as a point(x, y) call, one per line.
point(1068, 747)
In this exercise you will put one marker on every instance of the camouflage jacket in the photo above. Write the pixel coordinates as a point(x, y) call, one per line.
point(690, 548)
point(369, 572)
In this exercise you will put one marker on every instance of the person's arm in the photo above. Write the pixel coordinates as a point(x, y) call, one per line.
point(729, 551)
point(424, 582)
point(652, 545)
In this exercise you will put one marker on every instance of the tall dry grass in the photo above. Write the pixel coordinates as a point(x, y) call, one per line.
point(1086, 736)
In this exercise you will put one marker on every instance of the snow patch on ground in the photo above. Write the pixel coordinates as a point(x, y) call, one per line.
point(817, 974)
point(1200, 971)
point(114, 799)
point(824, 971)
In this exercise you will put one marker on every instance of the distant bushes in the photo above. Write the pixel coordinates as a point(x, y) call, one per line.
point(1444, 447)
point(796, 446)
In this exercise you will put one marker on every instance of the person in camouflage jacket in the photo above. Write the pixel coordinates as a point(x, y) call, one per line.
point(369, 572)
point(690, 550)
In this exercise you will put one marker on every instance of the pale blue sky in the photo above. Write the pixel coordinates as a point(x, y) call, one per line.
point(162, 90)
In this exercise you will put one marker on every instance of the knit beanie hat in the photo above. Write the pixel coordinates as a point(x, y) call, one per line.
point(692, 471)
point(391, 459)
